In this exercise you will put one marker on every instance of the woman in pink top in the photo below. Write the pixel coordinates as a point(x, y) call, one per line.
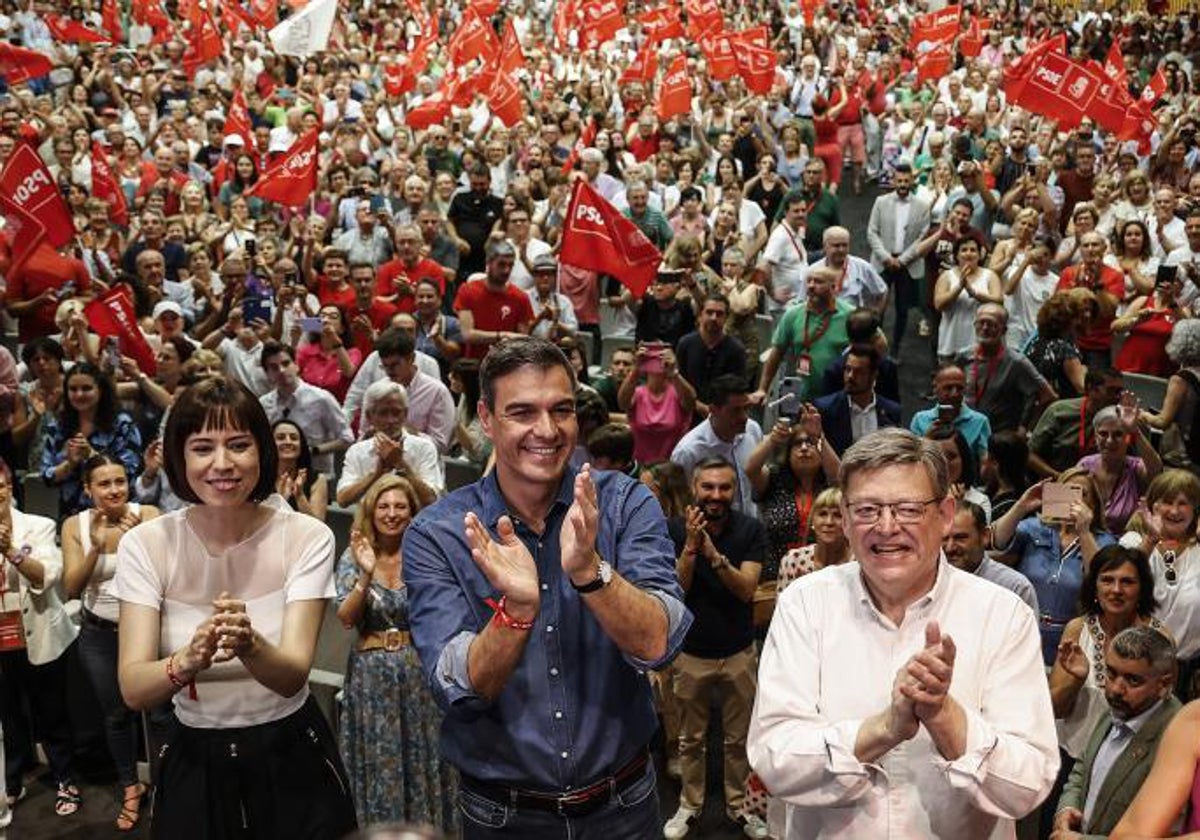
point(660, 411)
point(330, 361)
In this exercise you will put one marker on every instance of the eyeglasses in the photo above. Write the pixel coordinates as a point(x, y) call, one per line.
point(809, 442)
point(1169, 573)
point(905, 513)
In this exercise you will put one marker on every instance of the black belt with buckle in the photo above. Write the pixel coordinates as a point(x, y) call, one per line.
point(577, 803)
point(96, 621)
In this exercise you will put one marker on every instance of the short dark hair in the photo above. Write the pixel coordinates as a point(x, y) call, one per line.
point(978, 516)
point(42, 344)
point(271, 348)
point(902, 166)
point(861, 325)
point(1110, 557)
point(480, 170)
point(516, 353)
point(716, 297)
point(965, 202)
point(395, 342)
point(214, 402)
point(713, 462)
point(865, 351)
point(101, 459)
point(725, 386)
point(1097, 375)
point(613, 441)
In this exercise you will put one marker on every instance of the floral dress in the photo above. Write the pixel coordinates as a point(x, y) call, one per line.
point(389, 723)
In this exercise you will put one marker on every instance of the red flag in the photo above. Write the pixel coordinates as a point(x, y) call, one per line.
point(292, 179)
point(937, 27)
point(970, 43)
point(717, 47)
point(758, 36)
point(597, 237)
point(1114, 64)
point(1111, 105)
point(106, 188)
point(434, 109)
point(18, 64)
point(564, 21)
point(267, 12)
point(1059, 88)
point(675, 90)
point(703, 15)
point(661, 23)
point(234, 11)
point(1138, 125)
point(485, 8)
point(27, 183)
point(602, 20)
point(1154, 91)
point(644, 66)
point(203, 44)
point(1018, 72)
point(110, 15)
point(809, 8)
point(473, 39)
point(512, 57)
point(399, 76)
point(934, 63)
point(113, 314)
point(23, 231)
point(505, 100)
point(757, 66)
point(586, 138)
point(237, 121)
point(74, 32)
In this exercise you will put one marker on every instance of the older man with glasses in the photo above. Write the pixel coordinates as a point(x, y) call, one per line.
point(898, 696)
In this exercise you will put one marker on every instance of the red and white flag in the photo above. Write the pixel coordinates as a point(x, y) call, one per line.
point(1114, 64)
point(934, 63)
point(112, 314)
point(512, 57)
point(26, 182)
point(237, 121)
point(204, 44)
point(473, 39)
point(757, 67)
point(597, 237)
point(18, 64)
point(292, 179)
point(505, 99)
point(74, 32)
point(661, 23)
point(306, 32)
point(938, 27)
point(110, 15)
point(432, 110)
point(602, 20)
point(586, 138)
point(717, 47)
point(674, 90)
point(106, 187)
point(25, 234)
point(644, 66)
point(1154, 91)
point(1059, 88)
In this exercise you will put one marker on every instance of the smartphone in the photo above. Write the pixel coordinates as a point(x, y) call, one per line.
point(66, 290)
point(1057, 500)
point(946, 413)
point(312, 325)
point(378, 203)
point(652, 362)
point(251, 248)
point(793, 387)
point(112, 353)
point(255, 309)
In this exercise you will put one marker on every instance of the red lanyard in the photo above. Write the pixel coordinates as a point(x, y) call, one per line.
point(804, 503)
point(806, 342)
point(1083, 438)
point(993, 363)
point(799, 251)
point(841, 281)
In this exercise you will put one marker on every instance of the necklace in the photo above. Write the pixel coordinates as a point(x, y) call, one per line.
point(1099, 672)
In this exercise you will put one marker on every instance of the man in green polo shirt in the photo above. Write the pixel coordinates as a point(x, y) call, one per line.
point(1063, 433)
point(811, 336)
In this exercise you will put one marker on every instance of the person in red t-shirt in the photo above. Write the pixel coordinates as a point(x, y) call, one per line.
point(162, 173)
point(369, 314)
point(850, 133)
point(492, 309)
point(35, 290)
point(397, 278)
point(1095, 346)
point(332, 287)
point(643, 140)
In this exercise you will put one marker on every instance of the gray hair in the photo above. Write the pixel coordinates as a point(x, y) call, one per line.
point(896, 446)
point(1147, 644)
point(1108, 414)
point(1184, 344)
point(591, 155)
point(382, 390)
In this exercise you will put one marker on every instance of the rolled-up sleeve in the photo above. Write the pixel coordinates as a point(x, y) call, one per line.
point(801, 755)
point(1011, 758)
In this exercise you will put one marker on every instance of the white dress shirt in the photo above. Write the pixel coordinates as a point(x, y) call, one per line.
point(863, 421)
point(903, 206)
point(828, 665)
point(317, 414)
point(420, 454)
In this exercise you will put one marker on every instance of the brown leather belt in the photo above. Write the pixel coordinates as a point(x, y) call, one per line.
point(577, 803)
point(389, 640)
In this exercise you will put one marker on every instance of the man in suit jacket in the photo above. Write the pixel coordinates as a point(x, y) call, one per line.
point(856, 410)
point(1140, 676)
point(895, 232)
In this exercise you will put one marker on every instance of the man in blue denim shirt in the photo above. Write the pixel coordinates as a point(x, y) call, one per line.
point(537, 597)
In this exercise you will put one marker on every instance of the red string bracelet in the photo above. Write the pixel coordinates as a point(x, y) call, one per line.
point(190, 685)
point(502, 618)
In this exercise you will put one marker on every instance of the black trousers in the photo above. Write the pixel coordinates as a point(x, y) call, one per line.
point(904, 290)
point(282, 779)
point(33, 707)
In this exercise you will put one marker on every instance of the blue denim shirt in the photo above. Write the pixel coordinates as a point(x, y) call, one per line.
point(576, 707)
point(124, 441)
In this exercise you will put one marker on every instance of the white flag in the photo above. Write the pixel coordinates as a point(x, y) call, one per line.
point(307, 32)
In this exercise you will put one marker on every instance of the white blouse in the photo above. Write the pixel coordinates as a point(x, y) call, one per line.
point(163, 564)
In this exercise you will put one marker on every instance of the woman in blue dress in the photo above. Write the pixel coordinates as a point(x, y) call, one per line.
point(390, 721)
point(1054, 555)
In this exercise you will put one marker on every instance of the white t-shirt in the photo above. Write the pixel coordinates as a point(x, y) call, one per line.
point(420, 453)
point(97, 597)
point(749, 216)
point(785, 254)
point(162, 564)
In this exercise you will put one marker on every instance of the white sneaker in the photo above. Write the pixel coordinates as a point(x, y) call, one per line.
point(754, 827)
point(679, 824)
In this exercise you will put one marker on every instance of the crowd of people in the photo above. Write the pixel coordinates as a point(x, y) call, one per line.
point(581, 519)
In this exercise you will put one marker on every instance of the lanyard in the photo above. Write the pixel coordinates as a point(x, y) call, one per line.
point(841, 281)
point(993, 364)
point(806, 343)
point(799, 251)
point(1083, 437)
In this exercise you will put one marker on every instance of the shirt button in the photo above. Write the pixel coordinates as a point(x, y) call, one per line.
point(549, 628)
point(564, 753)
point(545, 586)
point(558, 715)
point(554, 672)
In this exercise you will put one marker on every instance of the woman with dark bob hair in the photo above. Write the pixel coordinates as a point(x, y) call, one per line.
point(1117, 592)
point(221, 604)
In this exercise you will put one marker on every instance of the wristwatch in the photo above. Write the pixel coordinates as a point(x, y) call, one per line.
point(604, 576)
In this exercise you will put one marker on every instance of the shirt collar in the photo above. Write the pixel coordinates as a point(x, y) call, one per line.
point(936, 593)
point(1135, 724)
point(494, 506)
point(854, 409)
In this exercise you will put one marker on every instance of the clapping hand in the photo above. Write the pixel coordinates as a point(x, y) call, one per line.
point(363, 552)
point(506, 563)
point(1072, 659)
point(930, 672)
point(231, 623)
point(577, 540)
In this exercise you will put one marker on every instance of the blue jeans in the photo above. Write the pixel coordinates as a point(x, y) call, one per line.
point(98, 653)
point(631, 814)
